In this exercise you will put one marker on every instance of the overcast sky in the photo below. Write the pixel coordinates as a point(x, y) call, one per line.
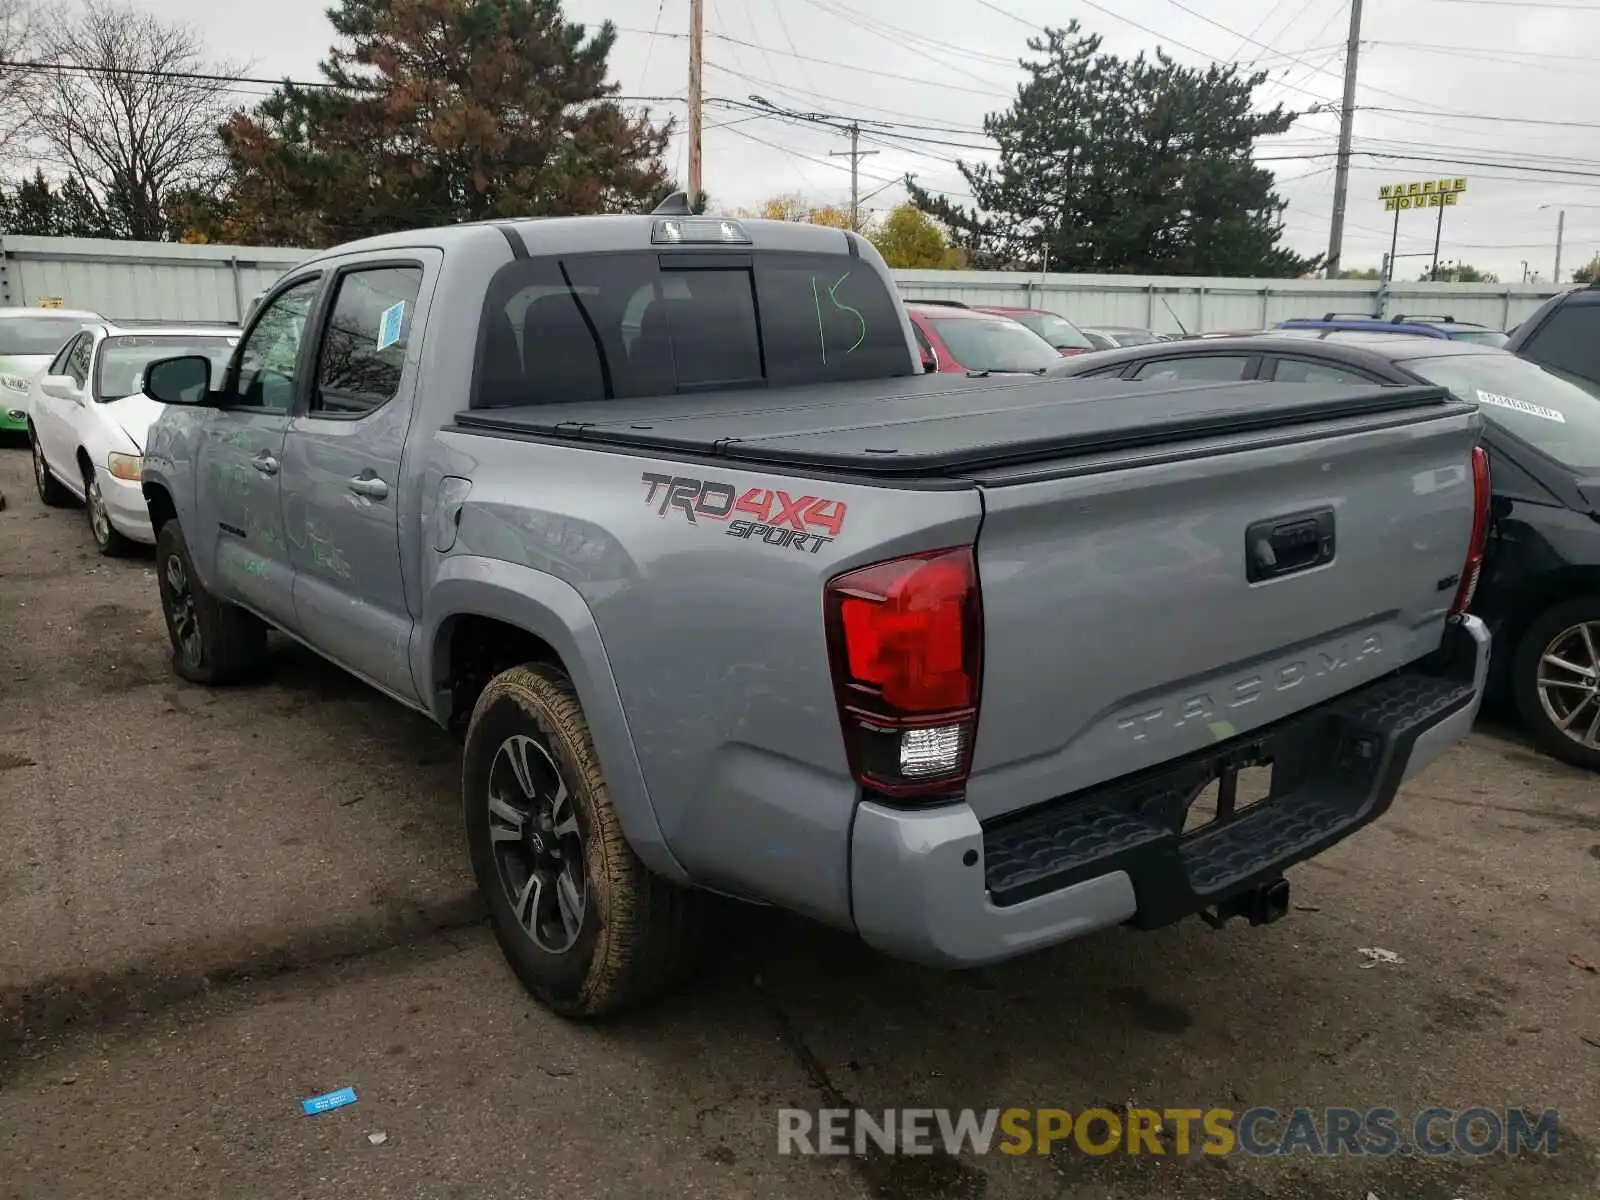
point(1441, 65)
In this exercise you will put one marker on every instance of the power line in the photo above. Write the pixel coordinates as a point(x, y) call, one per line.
point(654, 33)
point(896, 112)
point(1589, 8)
point(900, 32)
point(777, 11)
point(766, 109)
point(202, 77)
point(1461, 116)
point(1182, 7)
point(822, 162)
point(1583, 58)
point(143, 73)
point(1258, 26)
point(900, 38)
point(942, 85)
point(1424, 158)
point(1491, 56)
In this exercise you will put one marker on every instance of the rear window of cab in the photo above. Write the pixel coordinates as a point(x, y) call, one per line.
point(631, 324)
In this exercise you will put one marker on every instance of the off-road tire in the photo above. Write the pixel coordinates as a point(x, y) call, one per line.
point(52, 493)
point(232, 643)
point(639, 934)
point(112, 544)
point(1525, 676)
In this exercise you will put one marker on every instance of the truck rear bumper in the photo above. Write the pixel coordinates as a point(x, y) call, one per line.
point(936, 886)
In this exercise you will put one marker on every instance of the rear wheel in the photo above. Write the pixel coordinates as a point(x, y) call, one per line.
point(1556, 681)
point(585, 925)
point(49, 487)
point(212, 642)
point(106, 538)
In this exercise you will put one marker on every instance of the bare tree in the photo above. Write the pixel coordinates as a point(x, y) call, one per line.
point(130, 105)
point(16, 44)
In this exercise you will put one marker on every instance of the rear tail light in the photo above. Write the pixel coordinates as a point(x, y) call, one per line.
point(1480, 532)
point(905, 640)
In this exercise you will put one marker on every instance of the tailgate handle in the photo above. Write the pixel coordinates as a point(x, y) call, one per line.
point(1281, 546)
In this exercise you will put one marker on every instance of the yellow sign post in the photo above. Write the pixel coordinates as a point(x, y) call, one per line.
point(1420, 193)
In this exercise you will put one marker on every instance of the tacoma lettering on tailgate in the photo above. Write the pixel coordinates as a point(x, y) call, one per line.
point(773, 516)
point(1205, 707)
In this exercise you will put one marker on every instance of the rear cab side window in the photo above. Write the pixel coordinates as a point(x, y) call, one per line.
point(363, 348)
point(1201, 368)
point(633, 324)
point(1305, 370)
point(1568, 341)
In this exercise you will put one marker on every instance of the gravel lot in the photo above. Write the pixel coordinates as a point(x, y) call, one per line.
point(215, 904)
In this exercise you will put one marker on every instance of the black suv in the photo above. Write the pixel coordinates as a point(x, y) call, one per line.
point(1564, 336)
point(1540, 589)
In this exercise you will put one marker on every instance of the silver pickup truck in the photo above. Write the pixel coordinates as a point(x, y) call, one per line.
point(730, 596)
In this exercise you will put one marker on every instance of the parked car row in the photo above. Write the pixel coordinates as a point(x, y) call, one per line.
point(1540, 591)
point(74, 384)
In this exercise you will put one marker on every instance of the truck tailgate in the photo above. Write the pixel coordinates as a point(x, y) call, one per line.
point(1143, 604)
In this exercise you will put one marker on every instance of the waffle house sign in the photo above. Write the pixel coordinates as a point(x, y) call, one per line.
point(1423, 193)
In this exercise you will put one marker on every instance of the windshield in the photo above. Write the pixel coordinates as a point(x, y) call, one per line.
point(997, 344)
point(1134, 337)
point(1486, 337)
point(123, 359)
point(38, 336)
point(1058, 331)
point(1553, 416)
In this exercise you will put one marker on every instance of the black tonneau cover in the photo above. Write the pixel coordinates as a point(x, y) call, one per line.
point(933, 424)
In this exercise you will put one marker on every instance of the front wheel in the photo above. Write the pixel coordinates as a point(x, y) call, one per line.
point(212, 642)
point(1556, 681)
point(51, 493)
point(106, 538)
point(585, 925)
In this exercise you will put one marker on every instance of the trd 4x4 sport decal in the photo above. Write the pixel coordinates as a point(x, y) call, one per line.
point(803, 523)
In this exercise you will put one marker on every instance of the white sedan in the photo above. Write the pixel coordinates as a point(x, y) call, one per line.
point(88, 419)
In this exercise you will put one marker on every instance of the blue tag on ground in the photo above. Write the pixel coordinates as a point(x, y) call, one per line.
point(328, 1100)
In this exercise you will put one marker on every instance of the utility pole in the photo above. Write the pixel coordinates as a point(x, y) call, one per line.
point(1561, 232)
point(1347, 116)
point(697, 29)
point(855, 154)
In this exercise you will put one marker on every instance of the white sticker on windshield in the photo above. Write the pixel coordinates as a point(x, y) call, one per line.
point(1521, 406)
point(389, 325)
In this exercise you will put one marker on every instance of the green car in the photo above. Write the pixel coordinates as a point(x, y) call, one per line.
point(29, 339)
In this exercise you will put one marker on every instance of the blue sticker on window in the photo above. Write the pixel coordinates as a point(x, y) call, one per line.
point(389, 325)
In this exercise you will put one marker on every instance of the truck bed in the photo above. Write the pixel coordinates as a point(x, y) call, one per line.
point(933, 425)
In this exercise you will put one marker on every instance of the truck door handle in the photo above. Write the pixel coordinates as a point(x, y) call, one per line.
point(369, 486)
point(1283, 545)
point(265, 463)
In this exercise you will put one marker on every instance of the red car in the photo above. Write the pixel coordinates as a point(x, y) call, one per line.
point(959, 340)
point(1052, 327)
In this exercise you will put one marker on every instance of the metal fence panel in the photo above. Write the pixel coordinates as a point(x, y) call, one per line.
point(168, 281)
point(139, 280)
point(1172, 303)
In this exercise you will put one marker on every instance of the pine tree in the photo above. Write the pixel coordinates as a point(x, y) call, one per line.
point(1138, 165)
point(438, 111)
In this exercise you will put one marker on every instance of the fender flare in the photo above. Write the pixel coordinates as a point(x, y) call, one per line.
point(553, 611)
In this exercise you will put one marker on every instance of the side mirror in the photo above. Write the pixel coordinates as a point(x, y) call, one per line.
point(62, 387)
point(930, 361)
point(182, 380)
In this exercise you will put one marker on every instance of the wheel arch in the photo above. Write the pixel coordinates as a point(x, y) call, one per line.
point(482, 614)
point(1544, 593)
point(160, 504)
